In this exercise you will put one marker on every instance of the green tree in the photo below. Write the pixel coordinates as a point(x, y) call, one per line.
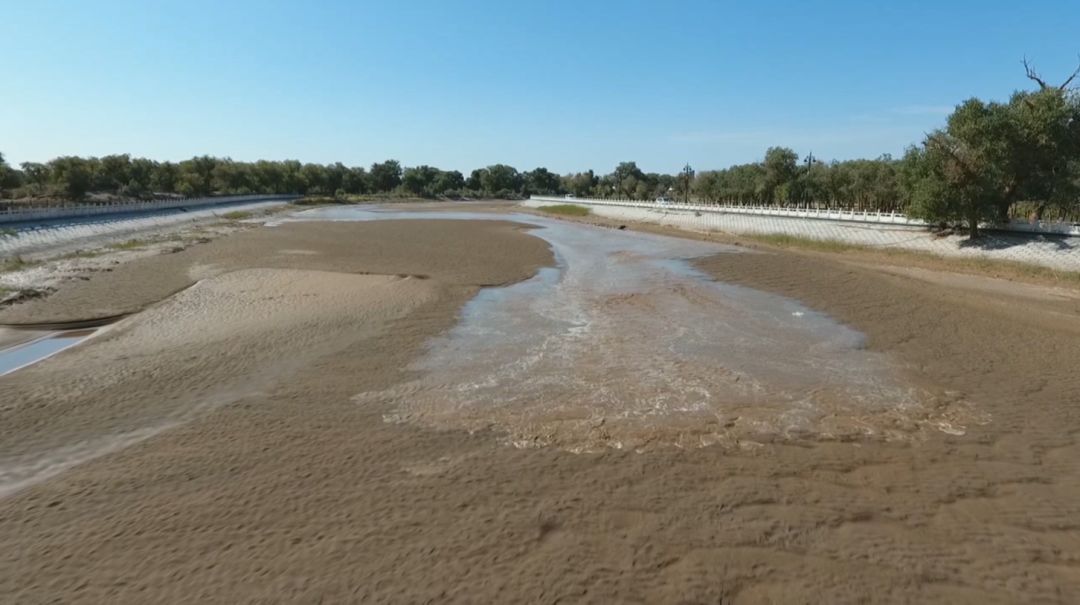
point(112, 173)
point(197, 176)
point(500, 180)
point(420, 180)
point(1047, 140)
point(140, 177)
point(9, 177)
point(72, 176)
point(165, 177)
point(232, 178)
point(357, 180)
point(991, 155)
point(781, 168)
point(541, 181)
point(582, 184)
point(449, 182)
point(967, 168)
point(316, 179)
point(37, 176)
point(625, 179)
point(385, 176)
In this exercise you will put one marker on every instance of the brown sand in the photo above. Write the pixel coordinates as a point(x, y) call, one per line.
point(294, 493)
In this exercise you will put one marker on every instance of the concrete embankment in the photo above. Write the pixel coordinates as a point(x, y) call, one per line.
point(54, 235)
point(1054, 251)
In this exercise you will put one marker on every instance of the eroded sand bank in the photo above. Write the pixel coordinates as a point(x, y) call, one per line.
point(294, 491)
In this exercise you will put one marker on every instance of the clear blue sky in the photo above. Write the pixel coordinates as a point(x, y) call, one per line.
point(566, 85)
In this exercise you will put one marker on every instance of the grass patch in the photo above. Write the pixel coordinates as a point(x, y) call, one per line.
point(565, 210)
point(237, 215)
point(782, 240)
point(131, 244)
point(927, 260)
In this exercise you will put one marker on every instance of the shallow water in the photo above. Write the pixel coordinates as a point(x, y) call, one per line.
point(22, 355)
point(625, 344)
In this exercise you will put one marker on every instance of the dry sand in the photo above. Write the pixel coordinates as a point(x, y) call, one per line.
point(286, 490)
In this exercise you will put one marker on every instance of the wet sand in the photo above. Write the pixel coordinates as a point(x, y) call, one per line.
point(287, 489)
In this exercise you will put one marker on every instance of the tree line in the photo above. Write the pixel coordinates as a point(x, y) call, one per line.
point(75, 178)
point(991, 161)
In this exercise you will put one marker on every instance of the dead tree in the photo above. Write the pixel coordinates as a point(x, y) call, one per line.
point(1035, 77)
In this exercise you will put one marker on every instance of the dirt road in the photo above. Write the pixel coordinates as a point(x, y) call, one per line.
point(242, 469)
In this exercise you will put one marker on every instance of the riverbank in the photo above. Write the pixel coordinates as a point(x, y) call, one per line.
point(1050, 251)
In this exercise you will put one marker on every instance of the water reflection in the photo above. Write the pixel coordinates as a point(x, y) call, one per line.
point(20, 356)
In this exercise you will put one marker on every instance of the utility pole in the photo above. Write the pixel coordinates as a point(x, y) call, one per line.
point(688, 177)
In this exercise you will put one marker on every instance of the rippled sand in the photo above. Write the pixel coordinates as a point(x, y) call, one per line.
point(289, 488)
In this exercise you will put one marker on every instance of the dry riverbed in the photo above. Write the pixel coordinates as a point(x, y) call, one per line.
point(210, 446)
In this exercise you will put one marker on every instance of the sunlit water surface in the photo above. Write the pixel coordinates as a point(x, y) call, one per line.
point(625, 344)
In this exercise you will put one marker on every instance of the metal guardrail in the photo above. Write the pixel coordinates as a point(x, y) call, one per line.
point(856, 216)
point(39, 213)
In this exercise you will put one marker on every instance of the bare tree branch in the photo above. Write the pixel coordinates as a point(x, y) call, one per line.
point(1032, 75)
point(1071, 78)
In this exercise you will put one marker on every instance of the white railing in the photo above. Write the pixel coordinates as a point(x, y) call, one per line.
point(857, 216)
point(39, 213)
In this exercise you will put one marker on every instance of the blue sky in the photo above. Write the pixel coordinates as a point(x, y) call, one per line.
point(566, 85)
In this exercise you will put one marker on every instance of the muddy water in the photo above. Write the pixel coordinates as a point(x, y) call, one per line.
point(625, 345)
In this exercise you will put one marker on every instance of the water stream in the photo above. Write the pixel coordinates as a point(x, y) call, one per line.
point(25, 354)
point(625, 344)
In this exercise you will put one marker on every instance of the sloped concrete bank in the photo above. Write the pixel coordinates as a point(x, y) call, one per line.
point(1054, 251)
point(56, 236)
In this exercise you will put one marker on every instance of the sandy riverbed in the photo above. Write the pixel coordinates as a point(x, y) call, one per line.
point(226, 459)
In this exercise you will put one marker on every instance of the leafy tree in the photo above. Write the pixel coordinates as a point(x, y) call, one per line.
point(9, 177)
point(448, 182)
point(473, 183)
point(625, 179)
point(781, 168)
point(357, 180)
point(420, 180)
point(1047, 153)
point(385, 176)
point(292, 175)
point(582, 184)
point(72, 176)
point(315, 179)
point(112, 172)
point(164, 177)
point(140, 177)
point(37, 176)
point(543, 182)
point(990, 156)
point(197, 176)
point(335, 177)
point(233, 178)
point(500, 180)
point(967, 168)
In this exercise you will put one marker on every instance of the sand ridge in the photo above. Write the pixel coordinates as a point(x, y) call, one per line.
point(219, 340)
